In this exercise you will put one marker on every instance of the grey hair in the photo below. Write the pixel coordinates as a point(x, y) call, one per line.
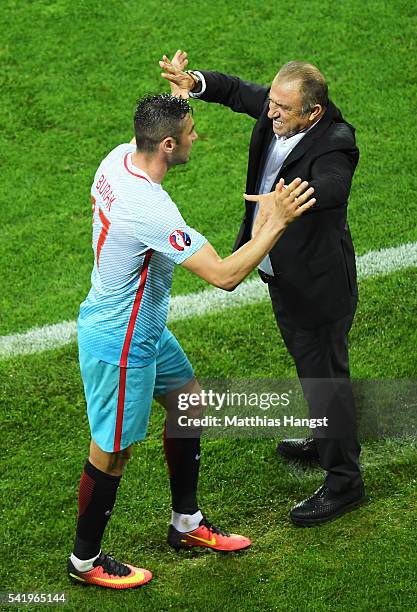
point(314, 88)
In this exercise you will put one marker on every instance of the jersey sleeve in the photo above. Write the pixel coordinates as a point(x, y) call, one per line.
point(162, 228)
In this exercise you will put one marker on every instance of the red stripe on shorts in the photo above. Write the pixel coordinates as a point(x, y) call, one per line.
point(120, 410)
point(125, 351)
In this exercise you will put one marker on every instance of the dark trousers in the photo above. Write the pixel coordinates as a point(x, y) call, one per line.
point(322, 362)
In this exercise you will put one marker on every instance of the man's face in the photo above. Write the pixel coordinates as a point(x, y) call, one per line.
point(181, 153)
point(285, 104)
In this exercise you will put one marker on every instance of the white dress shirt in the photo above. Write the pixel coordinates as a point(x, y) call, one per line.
point(278, 151)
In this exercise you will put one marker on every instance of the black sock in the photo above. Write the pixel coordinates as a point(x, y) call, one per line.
point(183, 458)
point(96, 499)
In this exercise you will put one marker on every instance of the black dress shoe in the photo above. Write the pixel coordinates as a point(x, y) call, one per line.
point(325, 505)
point(301, 450)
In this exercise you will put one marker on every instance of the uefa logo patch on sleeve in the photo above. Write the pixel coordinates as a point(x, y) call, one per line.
point(180, 240)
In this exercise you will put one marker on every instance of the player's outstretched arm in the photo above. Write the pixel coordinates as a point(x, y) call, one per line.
point(281, 207)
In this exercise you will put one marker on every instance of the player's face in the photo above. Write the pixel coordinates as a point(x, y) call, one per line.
point(181, 153)
point(285, 105)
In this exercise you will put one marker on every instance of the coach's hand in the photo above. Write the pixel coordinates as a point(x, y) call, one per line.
point(180, 81)
point(180, 60)
point(283, 205)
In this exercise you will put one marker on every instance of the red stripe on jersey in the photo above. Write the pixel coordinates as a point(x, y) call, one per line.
point(134, 173)
point(103, 234)
point(125, 351)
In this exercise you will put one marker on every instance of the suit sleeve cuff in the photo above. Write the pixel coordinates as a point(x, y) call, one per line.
point(203, 85)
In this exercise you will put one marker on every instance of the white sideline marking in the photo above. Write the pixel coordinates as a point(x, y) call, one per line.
point(38, 339)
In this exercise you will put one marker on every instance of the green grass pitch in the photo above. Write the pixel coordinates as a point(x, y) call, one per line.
point(70, 73)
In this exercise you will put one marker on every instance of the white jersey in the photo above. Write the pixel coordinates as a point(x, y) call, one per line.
point(138, 237)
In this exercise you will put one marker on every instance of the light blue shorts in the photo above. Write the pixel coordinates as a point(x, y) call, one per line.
point(119, 400)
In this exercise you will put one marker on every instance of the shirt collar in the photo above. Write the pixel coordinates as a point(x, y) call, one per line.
point(293, 139)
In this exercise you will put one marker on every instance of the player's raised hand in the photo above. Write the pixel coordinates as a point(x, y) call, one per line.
point(284, 205)
point(264, 211)
point(181, 83)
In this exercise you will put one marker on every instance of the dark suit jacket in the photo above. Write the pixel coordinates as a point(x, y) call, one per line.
point(314, 261)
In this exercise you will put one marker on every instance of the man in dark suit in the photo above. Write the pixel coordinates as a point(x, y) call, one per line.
point(310, 272)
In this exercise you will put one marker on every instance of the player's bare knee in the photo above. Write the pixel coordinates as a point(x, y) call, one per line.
point(126, 454)
point(176, 415)
point(121, 459)
point(110, 463)
point(196, 412)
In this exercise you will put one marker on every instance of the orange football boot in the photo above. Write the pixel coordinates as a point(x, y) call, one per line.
point(207, 536)
point(110, 573)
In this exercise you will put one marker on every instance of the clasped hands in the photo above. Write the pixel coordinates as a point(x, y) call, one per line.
point(284, 205)
point(174, 71)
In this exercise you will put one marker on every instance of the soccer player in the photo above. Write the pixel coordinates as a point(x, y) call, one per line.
point(127, 354)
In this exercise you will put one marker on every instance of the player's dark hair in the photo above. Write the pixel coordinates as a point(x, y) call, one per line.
point(156, 118)
point(313, 84)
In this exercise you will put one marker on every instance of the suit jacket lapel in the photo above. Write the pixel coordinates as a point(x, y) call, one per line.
point(261, 139)
point(268, 136)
